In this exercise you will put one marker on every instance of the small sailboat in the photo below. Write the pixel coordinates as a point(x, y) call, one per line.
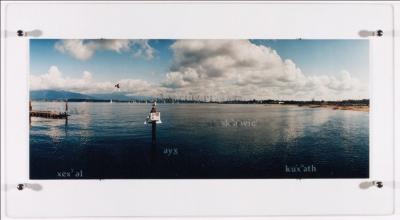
point(110, 100)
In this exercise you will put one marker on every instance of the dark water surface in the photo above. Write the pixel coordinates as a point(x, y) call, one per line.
point(110, 141)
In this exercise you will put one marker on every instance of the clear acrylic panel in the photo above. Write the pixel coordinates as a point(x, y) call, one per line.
point(219, 196)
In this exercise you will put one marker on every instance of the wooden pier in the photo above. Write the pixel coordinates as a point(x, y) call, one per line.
point(49, 114)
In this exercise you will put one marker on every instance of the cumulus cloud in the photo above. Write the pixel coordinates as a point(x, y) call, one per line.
point(222, 69)
point(230, 68)
point(55, 79)
point(85, 49)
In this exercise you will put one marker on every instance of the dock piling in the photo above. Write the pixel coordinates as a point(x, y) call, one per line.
point(48, 114)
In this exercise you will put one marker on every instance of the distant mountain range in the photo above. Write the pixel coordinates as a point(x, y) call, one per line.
point(54, 95)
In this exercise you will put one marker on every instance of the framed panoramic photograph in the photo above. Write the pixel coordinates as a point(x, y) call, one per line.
point(178, 109)
point(230, 109)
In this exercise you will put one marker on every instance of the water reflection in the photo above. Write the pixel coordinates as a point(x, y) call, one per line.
point(81, 115)
point(199, 141)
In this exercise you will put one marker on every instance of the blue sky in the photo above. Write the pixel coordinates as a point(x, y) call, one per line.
point(325, 56)
point(107, 65)
point(151, 62)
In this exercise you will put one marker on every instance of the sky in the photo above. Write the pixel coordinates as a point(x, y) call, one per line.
point(225, 69)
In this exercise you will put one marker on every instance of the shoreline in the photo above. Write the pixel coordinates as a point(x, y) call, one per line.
point(358, 108)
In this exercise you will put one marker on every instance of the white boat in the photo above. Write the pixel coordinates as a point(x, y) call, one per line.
point(111, 101)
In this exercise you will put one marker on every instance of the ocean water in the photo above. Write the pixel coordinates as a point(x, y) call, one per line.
point(111, 141)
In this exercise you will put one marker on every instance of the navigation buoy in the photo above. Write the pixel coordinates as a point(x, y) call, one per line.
point(154, 116)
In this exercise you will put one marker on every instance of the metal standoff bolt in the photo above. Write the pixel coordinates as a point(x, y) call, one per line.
point(379, 184)
point(368, 33)
point(20, 186)
point(32, 33)
point(368, 184)
point(20, 33)
point(30, 186)
point(379, 33)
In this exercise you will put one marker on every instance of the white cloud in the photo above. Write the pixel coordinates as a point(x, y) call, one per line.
point(224, 69)
point(55, 79)
point(85, 49)
point(230, 68)
point(143, 49)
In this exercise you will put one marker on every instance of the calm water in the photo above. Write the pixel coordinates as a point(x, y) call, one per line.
point(104, 140)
